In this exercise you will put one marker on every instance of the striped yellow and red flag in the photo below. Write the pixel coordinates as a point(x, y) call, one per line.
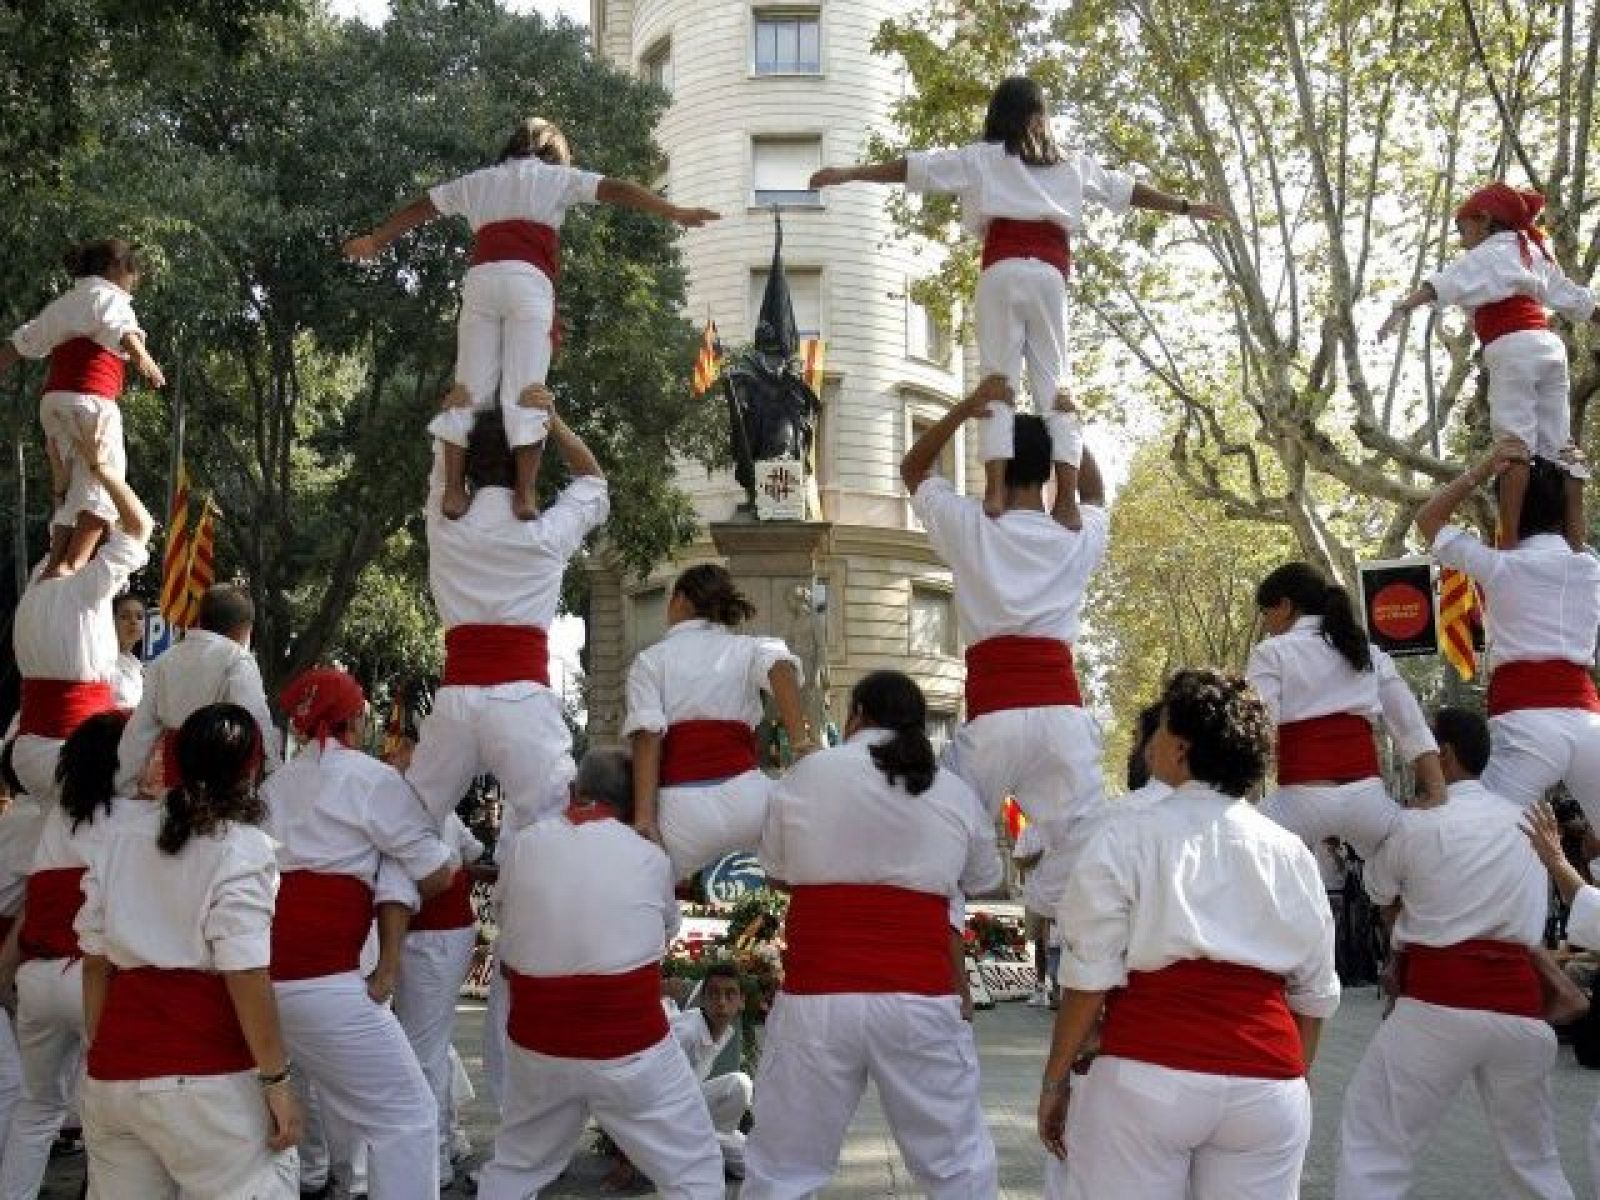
point(202, 561)
point(1460, 613)
point(175, 559)
point(813, 358)
point(708, 362)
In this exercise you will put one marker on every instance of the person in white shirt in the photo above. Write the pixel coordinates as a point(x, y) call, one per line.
point(706, 1034)
point(63, 634)
point(586, 912)
point(1020, 580)
point(694, 700)
point(1507, 278)
point(496, 582)
point(86, 334)
point(1024, 197)
point(211, 665)
point(21, 821)
point(873, 840)
point(506, 332)
point(336, 815)
point(1325, 685)
point(127, 681)
point(1027, 854)
point(188, 1089)
point(1470, 1006)
point(1202, 931)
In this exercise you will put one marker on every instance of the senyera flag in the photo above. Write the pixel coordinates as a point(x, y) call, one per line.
point(175, 560)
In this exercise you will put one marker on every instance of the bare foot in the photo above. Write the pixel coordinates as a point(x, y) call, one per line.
point(455, 501)
point(1068, 516)
point(525, 508)
point(994, 503)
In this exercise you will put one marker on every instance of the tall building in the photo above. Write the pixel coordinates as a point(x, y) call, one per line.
point(762, 95)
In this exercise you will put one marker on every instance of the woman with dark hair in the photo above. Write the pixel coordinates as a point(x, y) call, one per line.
point(694, 700)
point(127, 677)
point(1202, 931)
point(189, 1087)
point(1325, 686)
point(873, 840)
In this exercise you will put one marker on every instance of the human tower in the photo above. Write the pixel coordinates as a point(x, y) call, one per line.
point(188, 907)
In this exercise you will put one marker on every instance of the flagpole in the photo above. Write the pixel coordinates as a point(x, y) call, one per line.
point(175, 463)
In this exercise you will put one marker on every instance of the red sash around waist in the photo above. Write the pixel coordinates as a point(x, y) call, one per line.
point(698, 751)
point(84, 366)
point(53, 708)
point(519, 241)
point(1337, 748)
point(1198, 1015)
point(450, 909)
point(1484, 975)
point(861, 937)
point(319, 925)
point(54, 897)
point(1545, 683)
point(1044, 240)
point(587, 1016)
point(1020, 672)
point(1514, 313)
point(484, 655)
point(157, 1022)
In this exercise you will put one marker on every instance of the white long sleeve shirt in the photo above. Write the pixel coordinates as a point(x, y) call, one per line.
point(63, 628)
point(519, 189)
point(701, 671)
point(93, 308)
point(992, 183)
point(1493, 270)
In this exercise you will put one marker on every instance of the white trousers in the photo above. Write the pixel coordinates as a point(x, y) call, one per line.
point(10, 1072)
point(1021, 308)
point(432, 966)
point(367, 1078)
point(496, 1041)
point(819, 1053)
point(1160, 1134)
point(1361, 813)
point(502, 345)
point(1048, 758)
point(1421, 1056)
point(50, 1038)
point(512, 731)
point(1533, 749)
point(728, 1099)
point(649, 1104)
point(34, 759)
point(61, 414)
point(702, 822)
point(183, 1137)
point(1528, 390)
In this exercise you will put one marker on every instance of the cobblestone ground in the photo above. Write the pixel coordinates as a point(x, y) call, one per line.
point(1458, 1165)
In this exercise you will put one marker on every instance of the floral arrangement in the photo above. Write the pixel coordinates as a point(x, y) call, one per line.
point(991, 936)
point(753, 942)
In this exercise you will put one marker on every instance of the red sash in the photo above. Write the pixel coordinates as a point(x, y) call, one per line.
point(519, 241)
point(484, 655)
point(698, 751)
point(319, 925)
point(1199, 1015)
point(1514, 313)
point(158, 1022)
point(864, 937)
point(1044, 240)
point(54, 897)
point(1545, 683)
point(53, 708)
point(1481, 974)
point(587, 1016)
point(84, 366)
point(450, 909)
point(1020, 672)
point(1337, 748)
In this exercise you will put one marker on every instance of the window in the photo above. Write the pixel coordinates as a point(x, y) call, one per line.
point(926, 336)
point(923, 412)
point(805, 293)
point(649, 617)
point(788, 42)
point(941, 730)
point(933, 623)
point(781, 170)
point(656, 65)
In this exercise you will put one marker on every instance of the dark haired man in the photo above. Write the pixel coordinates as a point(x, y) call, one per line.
point(709, 1036)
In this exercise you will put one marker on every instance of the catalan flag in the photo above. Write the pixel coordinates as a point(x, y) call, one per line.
point(1460, 615)
point(708, 362)
point(202, 561)
point(813, 357)
point(175, 560)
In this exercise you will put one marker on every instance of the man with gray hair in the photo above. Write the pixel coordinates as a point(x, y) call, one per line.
point(586, 911)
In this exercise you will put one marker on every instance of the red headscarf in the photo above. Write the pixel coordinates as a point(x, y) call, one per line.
point(318, 701)
point(1512, 208)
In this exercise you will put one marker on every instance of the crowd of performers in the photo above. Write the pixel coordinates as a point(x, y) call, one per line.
point(187, 904)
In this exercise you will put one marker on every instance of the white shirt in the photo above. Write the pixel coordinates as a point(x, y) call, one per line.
point(1029, 842)
point(519, 189)
point(587, 899)
point(207, 908)
point(1541, 599)
point(394, 887)
point(93, 308)
point(1493, 270)
point(20, 826)
point(992, 183)
point(336, 811)
point(204, 668)
point(1462, 870)
point(1298, 675)
point(835, 818)
point(63, 628)
point(127, 680)
point(1021, 573)
point(1583, 919)
point(1198, 875)
point(59, 847)
point(694, 1038)
point(1045, 884)
point(701, 671)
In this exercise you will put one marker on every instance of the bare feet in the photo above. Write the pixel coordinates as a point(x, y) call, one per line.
point(1066, 514)
point(455, 501)
point(525, 508)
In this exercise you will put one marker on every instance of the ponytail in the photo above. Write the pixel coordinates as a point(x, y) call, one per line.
point(101, 256)
point(891, 701)
point(712, 594)
point(534, 137)
point(87, 767)
point(1313, 596)
point(219, 755)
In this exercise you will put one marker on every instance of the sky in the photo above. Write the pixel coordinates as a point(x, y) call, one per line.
point(374, 11)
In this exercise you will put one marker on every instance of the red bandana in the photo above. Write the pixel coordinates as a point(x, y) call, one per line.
point(318, 701)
